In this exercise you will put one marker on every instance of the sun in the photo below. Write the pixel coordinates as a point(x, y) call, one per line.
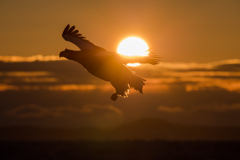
point(133, 46)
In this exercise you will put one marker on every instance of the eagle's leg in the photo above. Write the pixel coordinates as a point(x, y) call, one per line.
point(114, 97)
point(120, 88)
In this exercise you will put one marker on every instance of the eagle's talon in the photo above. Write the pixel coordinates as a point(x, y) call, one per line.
point(114, 97)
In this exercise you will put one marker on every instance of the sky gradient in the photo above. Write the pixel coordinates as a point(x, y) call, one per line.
point(195, 84)
point(179, 31)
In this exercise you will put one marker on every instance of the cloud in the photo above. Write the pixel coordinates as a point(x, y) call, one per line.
point(89, 108)
point(200, 74)
point(219, 107)
point(169, 109)
point(161, 78)
point(25, 74)
point(5, 87)
point(37, 111)
point(29, 59)
point(68, 89)
point(27, 111)
point(163, 65)
point(211, 84)
point(64, 87)
point(150, 88)
point(40, 80)
point(71, 87)
point(198, 66)
point(154, 88)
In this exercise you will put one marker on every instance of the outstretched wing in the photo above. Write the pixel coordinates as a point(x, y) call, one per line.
point(152, 58)
point(72, 35)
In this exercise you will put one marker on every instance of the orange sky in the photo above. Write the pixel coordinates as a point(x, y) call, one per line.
point(180, 31)
point(196, 83)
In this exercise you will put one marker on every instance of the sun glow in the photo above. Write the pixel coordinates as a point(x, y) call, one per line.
point(133, 46)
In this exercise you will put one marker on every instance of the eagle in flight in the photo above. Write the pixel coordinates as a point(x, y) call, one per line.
point(109, 66)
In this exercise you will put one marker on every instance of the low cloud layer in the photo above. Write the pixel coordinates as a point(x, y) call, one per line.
point(186, 93)
point(12, 59)
point(36, 111)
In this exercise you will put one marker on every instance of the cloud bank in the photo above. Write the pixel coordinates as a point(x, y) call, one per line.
point(47, 92)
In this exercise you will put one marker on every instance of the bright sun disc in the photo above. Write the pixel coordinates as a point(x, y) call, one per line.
point(133, 46)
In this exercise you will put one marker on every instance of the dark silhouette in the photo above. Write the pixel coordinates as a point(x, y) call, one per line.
point(109, 66)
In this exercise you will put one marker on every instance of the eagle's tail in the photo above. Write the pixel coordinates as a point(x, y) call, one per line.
point(122, 84)
point(137, 83)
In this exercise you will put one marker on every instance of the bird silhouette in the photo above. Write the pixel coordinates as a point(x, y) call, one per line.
point(108, 66)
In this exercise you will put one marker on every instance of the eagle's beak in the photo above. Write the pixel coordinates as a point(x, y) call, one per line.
point(60, 54)
point(63, 53)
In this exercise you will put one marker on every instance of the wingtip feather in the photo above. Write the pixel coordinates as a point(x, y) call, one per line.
point(71, 29)
point(66, 29)
point(75, 32)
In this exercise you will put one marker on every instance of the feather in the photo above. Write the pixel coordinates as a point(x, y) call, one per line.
point(65, 30)
point(78, 35)
point(79, 40)
point(71, 29)
point(75, 32)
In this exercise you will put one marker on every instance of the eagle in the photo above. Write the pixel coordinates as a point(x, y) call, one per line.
point(106, 65)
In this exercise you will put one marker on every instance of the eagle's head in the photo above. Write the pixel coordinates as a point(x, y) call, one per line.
point(65, 53)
